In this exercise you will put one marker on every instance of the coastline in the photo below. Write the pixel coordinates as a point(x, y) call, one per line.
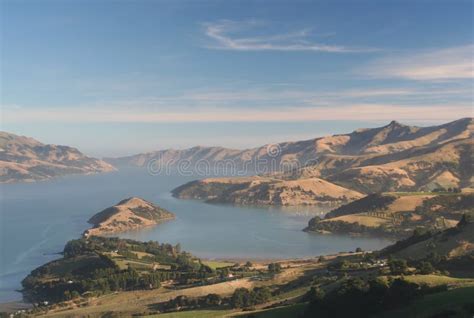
point(86, 233)
point(265, 260)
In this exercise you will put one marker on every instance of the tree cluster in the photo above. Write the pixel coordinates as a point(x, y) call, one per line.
point(358, 298)
point(274, 268)
point(184, 302)
point(244, 298)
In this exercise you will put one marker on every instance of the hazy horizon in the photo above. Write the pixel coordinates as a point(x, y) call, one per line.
point(115, 78)
point(148, 145)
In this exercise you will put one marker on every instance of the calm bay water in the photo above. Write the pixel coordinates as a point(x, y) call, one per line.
point(37, 219)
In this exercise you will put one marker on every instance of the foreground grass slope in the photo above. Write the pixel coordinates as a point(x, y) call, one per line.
point(396, 215)
point(452, 303)
point(296, 288)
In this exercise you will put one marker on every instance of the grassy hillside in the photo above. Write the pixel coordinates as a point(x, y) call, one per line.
point(427, 168)
point(26, 159)
point(194, 314)
point(361, 284)
point(279, 312)
point(372, 202)
point(453, 242)
point(452, 303)
point(131, 213)
point(394, 157)
point(266, 191)
point(396, 215)
point(94, 266)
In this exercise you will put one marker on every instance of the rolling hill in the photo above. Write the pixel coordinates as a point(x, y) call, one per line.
point(128, 214)
point(365, 147)
point(396, 215)
point(452, 243)
point(395, 157)
point(267, 191)
point(26, 159)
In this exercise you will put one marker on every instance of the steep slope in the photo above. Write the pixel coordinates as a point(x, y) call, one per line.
point(128, 214)
point(26, 159)
point(266, 191)
point(449, 165)
point(396, 137)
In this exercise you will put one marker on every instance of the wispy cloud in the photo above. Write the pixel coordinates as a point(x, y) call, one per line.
point(227, 35)
point(436, 65)
point(288, 114)
point(278, 97)
point(284, 97)
point(438, 101)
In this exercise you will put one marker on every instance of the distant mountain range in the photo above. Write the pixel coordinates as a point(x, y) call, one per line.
point(394, 157)
point(362, 147)
point(26, 159)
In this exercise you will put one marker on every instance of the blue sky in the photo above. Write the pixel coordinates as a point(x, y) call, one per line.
point(120, 77)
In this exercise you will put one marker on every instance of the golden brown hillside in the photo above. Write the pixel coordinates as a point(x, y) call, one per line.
point(26, 159)
point(362, 143)
point(395, 157)
point(445, 166)
point(267, 191)
point(128, 214)
point(395, 214)
point(455, 242)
